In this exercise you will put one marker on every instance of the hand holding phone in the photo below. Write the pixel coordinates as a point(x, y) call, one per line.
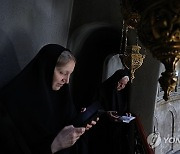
point(91, 113)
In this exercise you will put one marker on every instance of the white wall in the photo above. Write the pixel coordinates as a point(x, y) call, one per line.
point(27, 25)
point(143, 92)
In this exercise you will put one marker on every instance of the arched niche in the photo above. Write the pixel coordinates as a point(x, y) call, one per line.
point(91, 45)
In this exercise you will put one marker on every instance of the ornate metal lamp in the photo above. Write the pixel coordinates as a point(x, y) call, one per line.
point(133, 60)
point(159, 31)
point(130, 55)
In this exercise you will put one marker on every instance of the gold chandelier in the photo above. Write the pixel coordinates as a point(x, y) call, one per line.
point(159, 31)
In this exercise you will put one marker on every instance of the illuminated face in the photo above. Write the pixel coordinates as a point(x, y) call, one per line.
point(122, 83)
point(62, 74)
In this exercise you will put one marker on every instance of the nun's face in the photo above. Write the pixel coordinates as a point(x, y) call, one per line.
point(62, 75)
point(122, 83)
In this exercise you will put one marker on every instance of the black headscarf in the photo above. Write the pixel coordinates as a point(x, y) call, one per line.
point(111, 99)
point(38, 111)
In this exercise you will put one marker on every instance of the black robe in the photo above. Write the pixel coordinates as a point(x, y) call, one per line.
point(109, 137)
point(37, 112)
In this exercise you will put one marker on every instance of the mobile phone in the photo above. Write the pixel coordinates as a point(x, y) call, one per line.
point(92, 112)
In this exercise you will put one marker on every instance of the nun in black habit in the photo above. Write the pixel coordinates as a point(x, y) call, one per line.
point(36, 116)
point(109, 136)
point(113, 93)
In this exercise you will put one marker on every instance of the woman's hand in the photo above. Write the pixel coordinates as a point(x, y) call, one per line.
point(92, 123)
point(113, 116)
point(66, 138)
